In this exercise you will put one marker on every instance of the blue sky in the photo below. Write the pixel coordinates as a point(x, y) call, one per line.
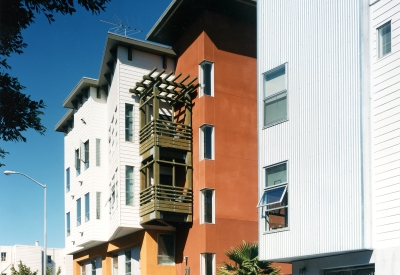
point(57, 57)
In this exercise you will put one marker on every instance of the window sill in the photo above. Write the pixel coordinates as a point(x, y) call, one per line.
point(384, 57)
point(276, 231)
point(275, 123)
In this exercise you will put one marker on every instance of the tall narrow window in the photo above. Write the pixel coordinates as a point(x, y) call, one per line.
point(78, 212)
point(207, 210)
point(274, 201)
point(93, 263)
point(112, 197)
point(129, 185)
point(83, 269)
point(49, 259)
point(128, 262)
point(97, 152)
point(207, 266)
point(68, 222)
point(87, 207)
point(166, 249)
point(67, 180)
point(207, 78)
point(207, 142)
point(275, 96)
point(86, 154)
point(98, 196)
point(128, 122)
point(115, 264)
point(77, 162)
point(384, 39)
point(3, 256)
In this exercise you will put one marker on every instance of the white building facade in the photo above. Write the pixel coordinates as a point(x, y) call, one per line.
point(329, 135)
point(101, 152)
point(32, 256)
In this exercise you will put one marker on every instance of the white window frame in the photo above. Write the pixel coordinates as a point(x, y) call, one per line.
point(158, 252)
point(201, 78)
point(98, 151)
point(87, 207)
point(379, 39)
point(67, 179)
point(202, 206)
point(280, 204)
point(128, 261)
point(203, 263)
point(282, 92)
point(202, 137)
point(78, 213)
point(4, 256)
point(68, 223)
point(129, 183)
point(86, 154)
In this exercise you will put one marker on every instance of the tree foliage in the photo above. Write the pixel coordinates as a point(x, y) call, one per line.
point(245, 262)
point(17, 111)
point(24, 270)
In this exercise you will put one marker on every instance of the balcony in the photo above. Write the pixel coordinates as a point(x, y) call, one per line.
point(165, 133)
point(166, 203)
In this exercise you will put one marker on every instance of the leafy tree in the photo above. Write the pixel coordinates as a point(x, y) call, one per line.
point(17, 111)
point(245, 262)
point(49, 271)
point(22, 270)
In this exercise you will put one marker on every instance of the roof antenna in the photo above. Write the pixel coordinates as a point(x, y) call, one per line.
point(121, 28)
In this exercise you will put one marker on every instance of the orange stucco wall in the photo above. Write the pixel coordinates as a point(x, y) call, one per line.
point(232, 110)
point(147, 239)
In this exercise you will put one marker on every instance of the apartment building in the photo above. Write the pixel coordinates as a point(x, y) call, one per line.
point(32, 257)
point(161, 149)
point(329, 135)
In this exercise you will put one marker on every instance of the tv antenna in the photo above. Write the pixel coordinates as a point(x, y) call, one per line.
point(121, 28)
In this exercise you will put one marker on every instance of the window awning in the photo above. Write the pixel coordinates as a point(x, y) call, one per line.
point(272, 196)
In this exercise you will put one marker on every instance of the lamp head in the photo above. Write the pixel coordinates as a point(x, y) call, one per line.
point(9, 172)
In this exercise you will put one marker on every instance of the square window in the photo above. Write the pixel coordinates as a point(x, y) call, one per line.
point(275, 96)
point(207, 142)
point(207, 264)
point(166, 249)
point(384, 39)
point(207, 209)
point(206, 78)
point(274, 200)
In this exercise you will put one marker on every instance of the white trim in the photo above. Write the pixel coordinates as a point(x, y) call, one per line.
point(201, 73)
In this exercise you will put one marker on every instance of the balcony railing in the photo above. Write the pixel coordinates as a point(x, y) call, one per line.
point(166, 198)
point(165, 134)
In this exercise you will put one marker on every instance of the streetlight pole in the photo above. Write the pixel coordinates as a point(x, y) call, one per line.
point(8, 172)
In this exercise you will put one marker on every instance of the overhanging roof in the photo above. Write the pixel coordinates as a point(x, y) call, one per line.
point(180, 14)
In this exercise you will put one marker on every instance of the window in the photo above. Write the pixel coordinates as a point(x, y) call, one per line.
point(77, 162)
point(207, 210)
point(128, 260)
point(83, 269)
point(361, 270)
point(207, 264)
point(206, 78)
point(93, 263)
point(274, 201)
point(97, 152)
point(87, 207)
point(3, 256)
point(115, 264)
point(112, 197)
point(68, 224)
point(86, 154)
point(384, 39)
point(78, 212)
point(275, 96)
point(49, 259)
point(67, 180)
point(166, 249)
point(98, 196)
point(129, 185)
point(207, 142)
point(128, 122)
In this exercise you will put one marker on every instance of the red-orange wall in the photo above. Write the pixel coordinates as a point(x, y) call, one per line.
point(232, 110)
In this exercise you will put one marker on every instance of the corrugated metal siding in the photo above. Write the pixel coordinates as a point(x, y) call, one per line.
point(386, 127)
point(321, 140)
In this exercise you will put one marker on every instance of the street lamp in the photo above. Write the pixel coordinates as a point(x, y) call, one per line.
point(8, 172)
